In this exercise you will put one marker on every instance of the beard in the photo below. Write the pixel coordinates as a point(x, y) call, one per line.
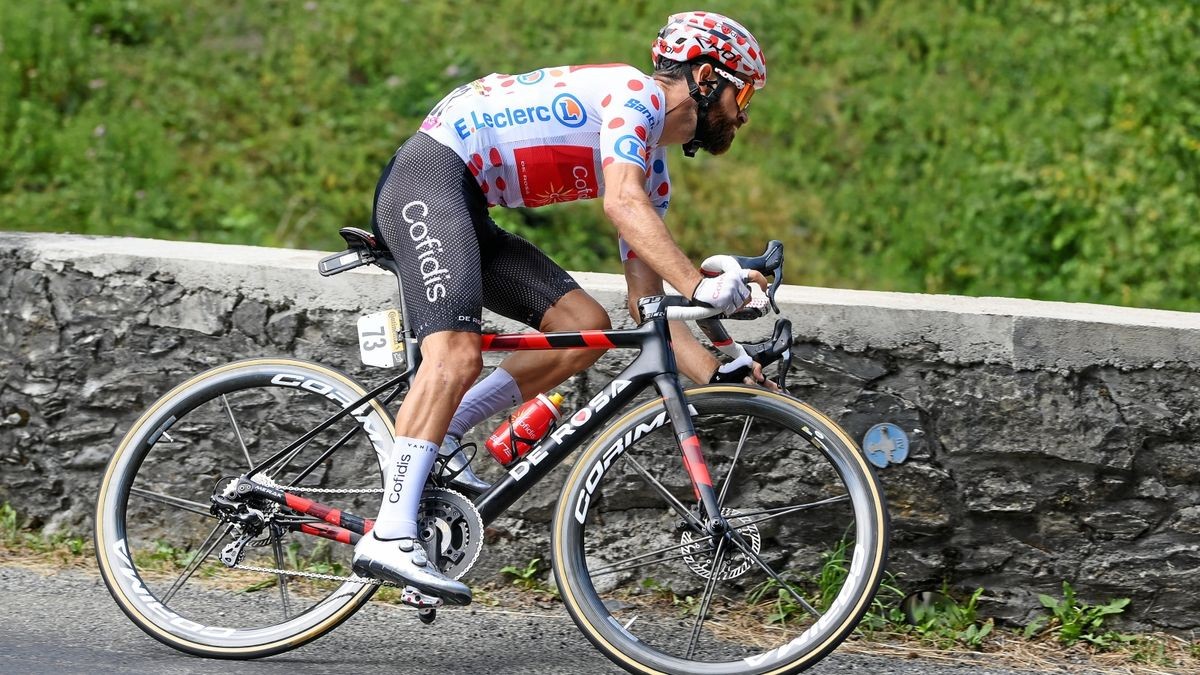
point(718, 131)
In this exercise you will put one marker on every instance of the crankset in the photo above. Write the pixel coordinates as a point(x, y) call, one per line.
point(451, 529)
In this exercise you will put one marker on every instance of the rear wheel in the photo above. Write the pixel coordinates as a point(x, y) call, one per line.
point(160, 548)
point(656, 594)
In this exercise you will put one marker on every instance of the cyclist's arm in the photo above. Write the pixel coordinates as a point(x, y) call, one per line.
point(630, 210)
point(693, 359)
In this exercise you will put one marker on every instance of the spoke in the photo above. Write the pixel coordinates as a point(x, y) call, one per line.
point(277, 549)
point(661, 489)
point(709, 587)
point(733, 465)
point(236, 430)
point(178, 502)
point(613, 570)
point(211, 542)
point(738, 541)
point(784, 510)
point(278, 467)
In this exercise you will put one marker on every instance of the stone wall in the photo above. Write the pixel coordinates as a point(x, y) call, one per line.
point(1050, 441)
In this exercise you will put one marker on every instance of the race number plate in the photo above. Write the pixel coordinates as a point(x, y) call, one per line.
point(379, 340)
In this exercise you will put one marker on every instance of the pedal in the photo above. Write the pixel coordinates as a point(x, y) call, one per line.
point(414, 598)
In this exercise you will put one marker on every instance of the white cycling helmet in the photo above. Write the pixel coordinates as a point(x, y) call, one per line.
point(693, 35)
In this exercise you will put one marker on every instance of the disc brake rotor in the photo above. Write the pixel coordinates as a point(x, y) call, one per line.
point(698, 550)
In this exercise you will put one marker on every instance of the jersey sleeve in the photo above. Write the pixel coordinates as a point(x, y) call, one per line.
point(658, 182)
point(631, 121)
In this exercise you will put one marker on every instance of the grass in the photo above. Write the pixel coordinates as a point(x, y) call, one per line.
point(529, 578)
point(1030, 148)
point(20, 544)
point(1072, 620)
point(943, 627)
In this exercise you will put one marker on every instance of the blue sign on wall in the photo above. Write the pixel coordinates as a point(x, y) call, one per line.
point(885, 444)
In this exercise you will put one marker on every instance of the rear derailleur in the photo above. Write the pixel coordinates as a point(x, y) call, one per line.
point(247, 523)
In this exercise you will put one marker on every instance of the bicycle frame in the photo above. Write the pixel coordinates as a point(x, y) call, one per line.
point(654, 366)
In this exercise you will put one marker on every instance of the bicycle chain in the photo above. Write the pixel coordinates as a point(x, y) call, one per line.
point(336, 491)
point(317, 575)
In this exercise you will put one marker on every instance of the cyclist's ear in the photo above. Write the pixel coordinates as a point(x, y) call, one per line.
point(704, 73)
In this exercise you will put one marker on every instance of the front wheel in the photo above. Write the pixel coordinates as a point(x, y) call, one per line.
point(791, 578)
point(161, 549)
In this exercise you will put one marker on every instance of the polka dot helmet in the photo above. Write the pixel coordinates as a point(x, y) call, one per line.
point(692, 35)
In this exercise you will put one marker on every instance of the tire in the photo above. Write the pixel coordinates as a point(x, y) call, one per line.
point(182, 448)
point(635, 577)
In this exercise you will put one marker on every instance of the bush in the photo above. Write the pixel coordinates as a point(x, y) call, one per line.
point(1036, 148)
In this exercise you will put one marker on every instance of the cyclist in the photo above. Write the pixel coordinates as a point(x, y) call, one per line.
point(551, 135)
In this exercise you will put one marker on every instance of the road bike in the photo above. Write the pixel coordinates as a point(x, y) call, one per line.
point(721, 529)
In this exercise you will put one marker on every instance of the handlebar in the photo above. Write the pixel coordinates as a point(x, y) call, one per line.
point(765, 352)
point(769, 264)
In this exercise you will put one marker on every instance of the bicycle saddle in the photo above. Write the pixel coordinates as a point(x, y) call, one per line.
point(364, 249)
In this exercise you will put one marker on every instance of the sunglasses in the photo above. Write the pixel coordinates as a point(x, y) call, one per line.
point(744, 90)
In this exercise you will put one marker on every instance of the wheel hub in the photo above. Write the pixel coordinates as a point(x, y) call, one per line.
point(699, 550)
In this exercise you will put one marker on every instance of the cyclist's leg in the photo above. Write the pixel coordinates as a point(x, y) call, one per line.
point(427, 211)
point(523, 283)
point(537, 372)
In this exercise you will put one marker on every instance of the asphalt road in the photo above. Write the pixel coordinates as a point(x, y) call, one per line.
point(67, 623)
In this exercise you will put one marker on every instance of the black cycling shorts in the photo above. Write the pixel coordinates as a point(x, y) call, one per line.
point(453, 258)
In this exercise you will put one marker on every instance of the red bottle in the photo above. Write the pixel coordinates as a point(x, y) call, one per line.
point(518, 434)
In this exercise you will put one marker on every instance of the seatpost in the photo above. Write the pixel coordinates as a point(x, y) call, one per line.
point(410, 338)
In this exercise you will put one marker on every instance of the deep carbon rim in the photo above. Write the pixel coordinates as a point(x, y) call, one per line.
point(117, 565)
point(605, 616)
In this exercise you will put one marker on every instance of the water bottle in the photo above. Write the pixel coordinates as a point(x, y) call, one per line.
point(518, 434)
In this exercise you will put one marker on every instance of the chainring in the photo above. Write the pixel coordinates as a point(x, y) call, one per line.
point(452, 530)
point(698, 551)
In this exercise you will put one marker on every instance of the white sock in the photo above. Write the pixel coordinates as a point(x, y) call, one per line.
point(409, 466)
point(497, 392)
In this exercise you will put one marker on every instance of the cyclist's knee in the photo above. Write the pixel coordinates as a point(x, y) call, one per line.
point(453, 358)
point(595, 318)
point(576, 311)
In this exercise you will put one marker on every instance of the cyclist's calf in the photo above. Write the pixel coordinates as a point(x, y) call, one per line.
point(450, 362)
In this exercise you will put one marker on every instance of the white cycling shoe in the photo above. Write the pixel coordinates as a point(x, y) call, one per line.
point(404, 563)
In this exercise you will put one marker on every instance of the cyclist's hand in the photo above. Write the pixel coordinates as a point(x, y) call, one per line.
point(756, 377)
point(743, 370)
point(725, 284)
point(756, 277)
point(726, 292)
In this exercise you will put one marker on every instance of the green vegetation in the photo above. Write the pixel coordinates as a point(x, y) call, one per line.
point(1072, 620)
point(15, 537)
point(1036, 148)
point(529, 577)
point(945, 620)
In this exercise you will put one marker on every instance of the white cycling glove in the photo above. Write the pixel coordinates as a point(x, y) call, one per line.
point(727, 291)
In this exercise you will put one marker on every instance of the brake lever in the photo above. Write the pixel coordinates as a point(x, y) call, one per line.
point(770, 263)
point(777, 348)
